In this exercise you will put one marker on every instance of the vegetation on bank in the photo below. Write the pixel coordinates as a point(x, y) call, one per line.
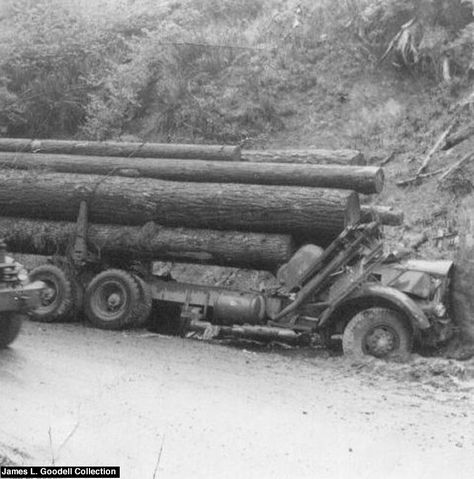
point(209, 70)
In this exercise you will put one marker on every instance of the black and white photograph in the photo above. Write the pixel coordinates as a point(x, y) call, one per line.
point(237, 239)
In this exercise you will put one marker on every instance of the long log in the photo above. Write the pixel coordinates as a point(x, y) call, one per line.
point(151, 242)
point(319, 212)
point(385, 214)
point(308, 156)
point(364, 179)
point(117, 148)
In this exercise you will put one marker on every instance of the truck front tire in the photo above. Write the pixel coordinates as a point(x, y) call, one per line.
point(379, 332)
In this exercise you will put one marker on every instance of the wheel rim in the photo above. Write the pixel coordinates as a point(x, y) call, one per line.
point(48, 295)
point(381, 341)
point(110, 300)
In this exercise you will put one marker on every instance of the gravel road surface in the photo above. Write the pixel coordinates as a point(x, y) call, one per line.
point(166, 407)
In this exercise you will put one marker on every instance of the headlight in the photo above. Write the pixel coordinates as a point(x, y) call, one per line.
point(439, 310)
point(23, 276)
point(21, 272)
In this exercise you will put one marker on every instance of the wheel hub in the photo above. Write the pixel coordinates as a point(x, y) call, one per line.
point(114, 301)
point(48, 295)
point(380, 342)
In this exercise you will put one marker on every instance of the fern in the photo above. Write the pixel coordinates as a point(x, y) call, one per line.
point(438, 30)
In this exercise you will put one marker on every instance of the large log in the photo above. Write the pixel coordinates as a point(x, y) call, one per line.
point(308, 156)
point(117, 148)
point(364, 179)
point(319, 212)
point(151, 242)
point(385, 214)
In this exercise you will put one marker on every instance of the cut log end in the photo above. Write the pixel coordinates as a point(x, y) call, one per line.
point(379, 180)
point(353, 210)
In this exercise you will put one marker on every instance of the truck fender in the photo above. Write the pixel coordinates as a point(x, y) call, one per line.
point(376, 295)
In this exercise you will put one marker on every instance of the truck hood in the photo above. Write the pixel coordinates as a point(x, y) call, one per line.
point(435, 267)
point(415, 277)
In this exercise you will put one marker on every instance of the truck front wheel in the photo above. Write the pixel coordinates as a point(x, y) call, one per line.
point(378, 332)
point(10, 325)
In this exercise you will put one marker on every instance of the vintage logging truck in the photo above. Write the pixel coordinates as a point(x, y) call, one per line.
point(380, 306)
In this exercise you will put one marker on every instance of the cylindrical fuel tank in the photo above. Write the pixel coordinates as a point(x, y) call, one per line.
point(239, 308)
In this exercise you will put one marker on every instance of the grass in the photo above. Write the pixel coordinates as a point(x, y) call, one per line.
point(198, 70)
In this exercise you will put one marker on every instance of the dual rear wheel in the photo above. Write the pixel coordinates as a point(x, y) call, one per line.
point(114, 299)
point(117, 299)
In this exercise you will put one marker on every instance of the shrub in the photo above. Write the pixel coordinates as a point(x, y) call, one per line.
point(50, 68)
point(191, 85)
point(203, 70)
point(428, 36)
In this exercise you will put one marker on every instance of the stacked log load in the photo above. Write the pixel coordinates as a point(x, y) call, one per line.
point(209, 204)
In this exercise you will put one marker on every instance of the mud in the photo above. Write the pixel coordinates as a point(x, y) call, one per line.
point(74, 395)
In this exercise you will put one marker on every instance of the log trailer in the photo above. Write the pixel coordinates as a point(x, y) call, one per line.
point(380, 306)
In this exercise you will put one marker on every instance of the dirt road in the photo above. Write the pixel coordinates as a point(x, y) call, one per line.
point(223, 412)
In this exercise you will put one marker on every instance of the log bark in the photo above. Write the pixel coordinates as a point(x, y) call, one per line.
point(364, 179)
point(117, 148)
point(151, 242)
point(385, 214)
point(319, 212)
point(309, 156)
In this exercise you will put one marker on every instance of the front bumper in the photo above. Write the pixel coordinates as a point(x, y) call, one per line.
point(22, 298)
